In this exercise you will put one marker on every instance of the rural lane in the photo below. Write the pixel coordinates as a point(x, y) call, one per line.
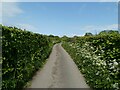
point(59, 72)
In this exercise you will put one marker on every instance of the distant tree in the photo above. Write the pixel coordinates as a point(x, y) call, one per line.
point(108, 32)
point(88, 34)
point(65, 38)
point(75, 36)
point(55, 39)
point(51, 35)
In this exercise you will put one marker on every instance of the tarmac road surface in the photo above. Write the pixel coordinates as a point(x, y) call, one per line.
point(60, 71)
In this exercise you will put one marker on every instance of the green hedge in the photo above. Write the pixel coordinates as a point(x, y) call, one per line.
point(23, 53)
point(98, 58)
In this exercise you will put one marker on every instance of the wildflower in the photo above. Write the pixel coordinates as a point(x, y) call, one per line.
point(112, 67)
point(108, 78)
point(115, 85)
point(114, 60)
point(97, 73)
point(104, 63)
point(110, 64)
point(115, 63)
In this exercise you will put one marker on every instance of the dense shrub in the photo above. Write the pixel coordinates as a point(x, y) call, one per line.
point(98, 58)
point(23, 53)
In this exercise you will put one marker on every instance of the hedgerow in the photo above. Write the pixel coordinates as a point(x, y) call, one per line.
point(98, 58)
point(23, 53)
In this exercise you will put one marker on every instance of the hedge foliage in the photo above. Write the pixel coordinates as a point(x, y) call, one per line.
point(23, 53)
point(98, 58)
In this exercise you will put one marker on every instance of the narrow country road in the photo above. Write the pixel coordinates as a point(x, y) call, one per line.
point(59, 72)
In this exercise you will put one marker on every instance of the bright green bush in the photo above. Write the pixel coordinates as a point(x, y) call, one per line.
point(98, 58)
point(23, 53)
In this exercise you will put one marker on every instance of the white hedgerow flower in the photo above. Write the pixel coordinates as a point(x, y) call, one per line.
point(115, 85)
point(112, 67)
point(98, 64)
point(102, 51)
point(91, 47)
point(97, 73)
point(110, 64)
point(70, 44)
point(104, 63)
point(115, 63)
point(114, 60)
point(108, 78)
point(115, 70)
